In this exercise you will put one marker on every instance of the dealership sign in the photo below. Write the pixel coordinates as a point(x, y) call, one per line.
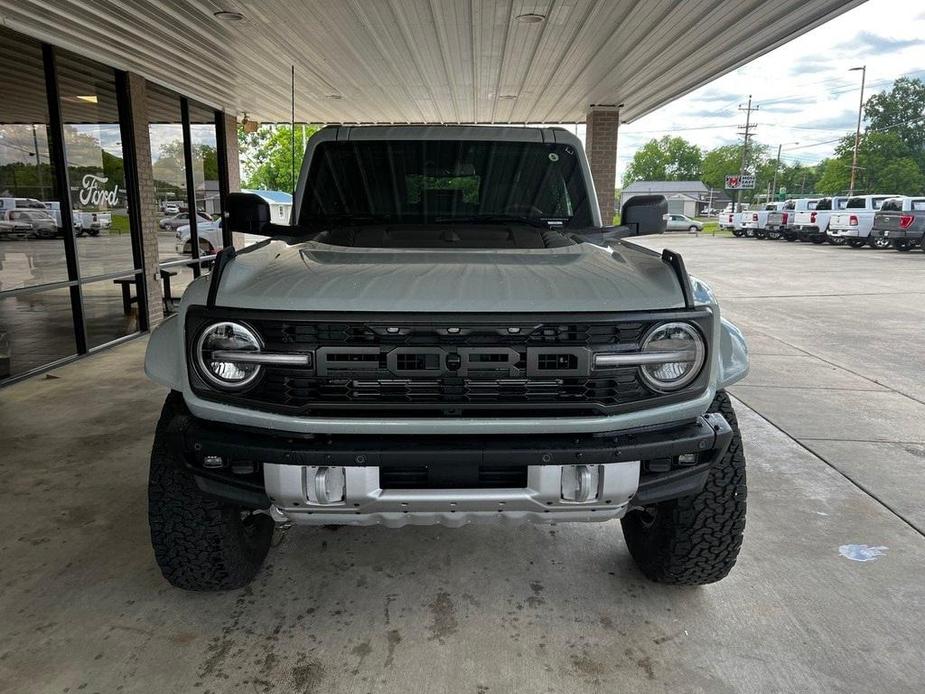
point(93, 192)
point(745, 182)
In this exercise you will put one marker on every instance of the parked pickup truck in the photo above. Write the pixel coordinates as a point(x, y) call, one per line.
point(784, 221)
point(757, 221)
point(855, 222)
point(731, 220)
point(901, 223)
point(445, 333)
point(813, 224)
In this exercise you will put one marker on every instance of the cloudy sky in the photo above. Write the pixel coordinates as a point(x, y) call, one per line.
point(804, 89)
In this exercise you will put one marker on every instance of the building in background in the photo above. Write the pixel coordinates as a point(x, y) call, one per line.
point(691, 198)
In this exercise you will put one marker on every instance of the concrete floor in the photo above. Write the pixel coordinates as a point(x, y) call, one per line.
point(835, 447)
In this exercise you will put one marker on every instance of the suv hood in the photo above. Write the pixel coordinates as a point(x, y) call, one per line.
point(315, 276)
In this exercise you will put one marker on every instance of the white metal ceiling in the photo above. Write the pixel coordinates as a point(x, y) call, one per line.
point(399, 61)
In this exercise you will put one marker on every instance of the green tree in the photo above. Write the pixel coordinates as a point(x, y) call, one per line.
point(726, 160)
point(901, 110)
point(886, 164)
point(266, 155)
point(667, 159)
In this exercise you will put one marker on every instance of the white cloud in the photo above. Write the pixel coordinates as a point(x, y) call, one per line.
point(804, 89)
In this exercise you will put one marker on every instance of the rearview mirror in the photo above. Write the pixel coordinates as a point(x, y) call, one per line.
point(645, 214)
point(247, 213)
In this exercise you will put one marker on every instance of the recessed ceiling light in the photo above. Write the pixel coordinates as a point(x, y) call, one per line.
point(530, 18)
point(507, 97)
point(336, 97)
point(228, 16)
point(88, 98)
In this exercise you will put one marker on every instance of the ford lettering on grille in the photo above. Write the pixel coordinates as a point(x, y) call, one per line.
point(462, 362)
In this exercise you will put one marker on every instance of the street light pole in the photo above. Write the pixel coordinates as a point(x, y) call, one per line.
point(857, 134)
point(776, 169)
point(777, 165)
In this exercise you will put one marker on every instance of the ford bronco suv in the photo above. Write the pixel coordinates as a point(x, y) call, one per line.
point(445, 333)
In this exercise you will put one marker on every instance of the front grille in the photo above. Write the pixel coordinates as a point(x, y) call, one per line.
point(446, 366)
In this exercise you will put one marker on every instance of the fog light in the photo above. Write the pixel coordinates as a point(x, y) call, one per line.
point(325, 485)
point(580, 482)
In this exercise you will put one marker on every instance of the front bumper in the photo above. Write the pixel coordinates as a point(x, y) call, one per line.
point(449, 480)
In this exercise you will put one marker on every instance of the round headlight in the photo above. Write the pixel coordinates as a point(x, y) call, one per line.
point(683, 343)
point(224, 372)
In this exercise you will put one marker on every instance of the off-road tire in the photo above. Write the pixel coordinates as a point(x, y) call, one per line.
point(857, 243)
point(902, 246)
point(200, 543)
point(879, 242)
point(695, 540)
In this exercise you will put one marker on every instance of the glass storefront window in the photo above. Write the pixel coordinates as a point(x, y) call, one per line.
point(36, 328)
point(110, 309)
point(31, 242)
point(165, 131)
point(96, 173)
point(204, 147)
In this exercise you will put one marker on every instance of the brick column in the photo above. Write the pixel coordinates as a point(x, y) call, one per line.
point(231, 149)
point(602, 124)
point(138, 105)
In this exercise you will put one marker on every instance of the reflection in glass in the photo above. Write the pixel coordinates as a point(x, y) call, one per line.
point(36, 328)
point(110, 309)
point(165, 132)
point(31, 246)
point(96, 173)
point(205, 178)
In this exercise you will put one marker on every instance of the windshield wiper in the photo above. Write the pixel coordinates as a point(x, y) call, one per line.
point(496, 219)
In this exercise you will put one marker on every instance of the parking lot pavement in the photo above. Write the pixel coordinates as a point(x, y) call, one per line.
point(833, 335)
point(480, 609)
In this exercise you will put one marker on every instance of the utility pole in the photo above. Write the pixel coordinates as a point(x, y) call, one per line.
point(747, 134)
point(857, 134)
point(776, 169)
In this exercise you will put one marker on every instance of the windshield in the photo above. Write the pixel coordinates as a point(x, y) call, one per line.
point(445, 182)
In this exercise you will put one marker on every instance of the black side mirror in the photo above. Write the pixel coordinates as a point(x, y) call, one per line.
point(247, 213)
point(647, 214)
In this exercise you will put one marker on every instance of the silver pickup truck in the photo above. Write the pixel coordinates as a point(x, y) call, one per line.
point(446, 333)
point(900, 223)
point(757, 221)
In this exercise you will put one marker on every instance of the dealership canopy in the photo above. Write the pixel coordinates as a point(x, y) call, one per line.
point(435, 61)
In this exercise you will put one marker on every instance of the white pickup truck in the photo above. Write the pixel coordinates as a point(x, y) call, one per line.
point(756, 221)
point(783, 222)
point(813, 224)
point(857, 219)
point(731, 220)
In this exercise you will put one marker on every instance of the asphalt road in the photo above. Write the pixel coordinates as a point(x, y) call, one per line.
point(831, 417)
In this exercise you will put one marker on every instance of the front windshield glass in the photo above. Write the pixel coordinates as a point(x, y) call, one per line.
point(445, 182)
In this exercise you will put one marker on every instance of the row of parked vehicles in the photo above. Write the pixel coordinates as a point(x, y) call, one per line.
point(34, 219)
point(879, 221)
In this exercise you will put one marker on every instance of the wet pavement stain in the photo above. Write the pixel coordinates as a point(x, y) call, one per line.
point(443, 611)
point(361, 650)
point(393, 638)
point(307, 675)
